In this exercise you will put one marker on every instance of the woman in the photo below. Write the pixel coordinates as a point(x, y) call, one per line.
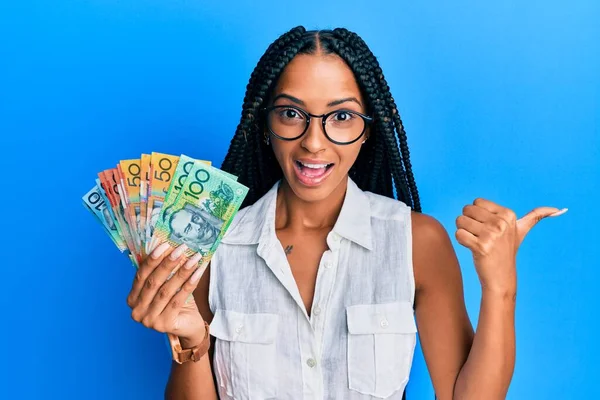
point(312, 291)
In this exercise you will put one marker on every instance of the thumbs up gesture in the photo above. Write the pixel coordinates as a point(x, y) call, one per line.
point(493, 234)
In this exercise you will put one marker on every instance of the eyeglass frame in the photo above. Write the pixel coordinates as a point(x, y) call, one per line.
point(367, 120)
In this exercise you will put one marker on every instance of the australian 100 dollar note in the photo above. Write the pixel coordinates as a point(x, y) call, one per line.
point(184, 166)
point(201, 212)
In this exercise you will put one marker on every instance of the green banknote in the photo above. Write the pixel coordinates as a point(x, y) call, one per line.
point(184, 167)
point(200, 212)
point(97, 204)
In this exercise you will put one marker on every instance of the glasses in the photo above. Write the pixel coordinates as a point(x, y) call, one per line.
point(340, 126)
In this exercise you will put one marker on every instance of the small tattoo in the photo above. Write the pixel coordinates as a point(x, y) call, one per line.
point(288, 250)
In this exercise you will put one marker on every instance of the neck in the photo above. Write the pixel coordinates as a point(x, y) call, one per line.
point(295, 214)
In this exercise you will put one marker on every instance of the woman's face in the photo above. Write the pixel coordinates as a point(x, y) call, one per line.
point(312, 165)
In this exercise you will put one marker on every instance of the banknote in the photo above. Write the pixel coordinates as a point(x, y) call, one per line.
point(106, 197)
point(193, 202)
point(130, 171)
point(97, 205)
point(112, 186)
point(201, 212)
point(184, 166)
point(145, 181)
point(162, 169)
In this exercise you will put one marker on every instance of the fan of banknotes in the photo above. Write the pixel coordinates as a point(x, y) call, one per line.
point(159, 198)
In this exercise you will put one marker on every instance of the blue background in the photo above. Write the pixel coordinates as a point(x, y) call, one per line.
point(499, 99)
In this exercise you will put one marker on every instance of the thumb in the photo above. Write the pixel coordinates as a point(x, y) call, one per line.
point(529, 220)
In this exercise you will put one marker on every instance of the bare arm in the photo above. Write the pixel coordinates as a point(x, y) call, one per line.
point(194, 380)
point(462, 365)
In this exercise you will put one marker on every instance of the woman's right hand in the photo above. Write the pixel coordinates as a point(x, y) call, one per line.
point(160, 304)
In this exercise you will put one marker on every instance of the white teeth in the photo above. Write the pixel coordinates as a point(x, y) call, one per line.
point(316, 166)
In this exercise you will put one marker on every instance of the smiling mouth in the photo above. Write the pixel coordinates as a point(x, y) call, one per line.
point(313, 170)
point(312, 174)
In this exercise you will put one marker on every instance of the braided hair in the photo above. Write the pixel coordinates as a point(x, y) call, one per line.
point(383, 164)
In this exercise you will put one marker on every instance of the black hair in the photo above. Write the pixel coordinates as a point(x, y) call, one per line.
point(383, 164)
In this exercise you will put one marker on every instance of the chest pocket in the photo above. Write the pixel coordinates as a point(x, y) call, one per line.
point(245, 360)
point(381, 343)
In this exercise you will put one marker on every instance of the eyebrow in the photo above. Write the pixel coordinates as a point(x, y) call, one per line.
point(330, 104)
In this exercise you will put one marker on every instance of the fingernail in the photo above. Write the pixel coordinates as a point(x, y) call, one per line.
point(196, 275)
point(561, 212)
point(193, 261)
point(160, 250)
point(178, 252)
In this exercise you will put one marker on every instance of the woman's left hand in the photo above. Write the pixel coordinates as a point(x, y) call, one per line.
point(493, 234)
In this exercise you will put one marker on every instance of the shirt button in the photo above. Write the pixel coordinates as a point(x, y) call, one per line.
point(311, 362)
point(335, 237)
point(239, 328)
point(384, 323)
point(328, 264)
point(317, 311)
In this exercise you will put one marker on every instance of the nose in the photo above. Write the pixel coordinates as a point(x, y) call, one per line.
point(314, 140)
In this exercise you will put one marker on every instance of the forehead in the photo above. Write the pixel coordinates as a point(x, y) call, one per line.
point(182, 214)
point(318, 79)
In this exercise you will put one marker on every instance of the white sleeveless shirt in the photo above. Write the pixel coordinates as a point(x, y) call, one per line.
point(359, 340)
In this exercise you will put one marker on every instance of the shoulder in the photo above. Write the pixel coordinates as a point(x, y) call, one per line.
point(433, 254)
point(427, 230)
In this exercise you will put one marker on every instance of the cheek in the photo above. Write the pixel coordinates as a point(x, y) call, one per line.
point(282, 150)
point(350, 153)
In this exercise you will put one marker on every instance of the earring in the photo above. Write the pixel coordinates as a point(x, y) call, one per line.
point(267, 139)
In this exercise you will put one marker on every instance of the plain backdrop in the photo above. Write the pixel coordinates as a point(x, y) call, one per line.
point(500, 100)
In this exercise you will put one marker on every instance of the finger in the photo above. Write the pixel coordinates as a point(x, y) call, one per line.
point(145, 269)
point(172, 286)
point(528, 221)
point(561, 212)
point(488, 205)
point(470, 225)
point(466, 238)
point(173, 307)
point(159, 275)
point(506, 214)
point(478, 213)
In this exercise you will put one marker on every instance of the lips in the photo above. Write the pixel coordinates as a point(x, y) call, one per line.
point(312, 172)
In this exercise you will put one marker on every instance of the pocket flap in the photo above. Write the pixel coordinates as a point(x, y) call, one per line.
point(240, 327)
point(364, 319)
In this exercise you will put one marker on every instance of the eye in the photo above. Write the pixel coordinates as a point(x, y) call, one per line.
point(342, 116)
point(289, 113)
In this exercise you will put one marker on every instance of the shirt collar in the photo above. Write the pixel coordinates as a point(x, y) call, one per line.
point(256, 223)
